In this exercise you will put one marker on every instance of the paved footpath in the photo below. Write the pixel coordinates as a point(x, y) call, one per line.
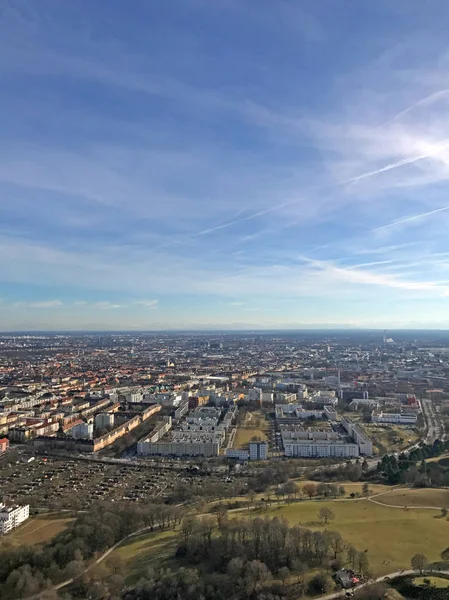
point(342, 593)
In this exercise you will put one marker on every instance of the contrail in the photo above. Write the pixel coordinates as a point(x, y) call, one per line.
point(444, 145)
point(414, 218)
point(400, 163)
point(427, 100)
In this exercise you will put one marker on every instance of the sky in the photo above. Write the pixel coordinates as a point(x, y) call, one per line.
point(224, 164)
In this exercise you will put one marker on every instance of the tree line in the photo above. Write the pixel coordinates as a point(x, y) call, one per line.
point(404, 469)
point(27, 570)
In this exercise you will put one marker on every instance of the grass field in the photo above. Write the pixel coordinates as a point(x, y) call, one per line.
point(390, 438)
point(36, 531)
point(437, 582)
point(390, 536)
point(255, 425)
point(245, 434)
point(416, 497)
point(147, 550)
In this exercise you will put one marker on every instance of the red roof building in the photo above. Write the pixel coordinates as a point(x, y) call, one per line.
point(4, 445)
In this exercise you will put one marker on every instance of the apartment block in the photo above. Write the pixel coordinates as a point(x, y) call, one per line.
point(12, 516)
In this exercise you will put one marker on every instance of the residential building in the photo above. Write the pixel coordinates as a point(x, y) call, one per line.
point(359, 436)
point(104, 420)
point(82, 431)
point(12, 516)
point(134, 397)
point(237, 453)
point(400, 418)
point(320, 449)
point(258, 450)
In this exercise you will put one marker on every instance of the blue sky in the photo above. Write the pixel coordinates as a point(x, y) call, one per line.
point(224, 163)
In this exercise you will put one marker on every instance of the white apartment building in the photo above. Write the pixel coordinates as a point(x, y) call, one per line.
point(134, 397)
point(12, 516)
point(359, 436)
point(320, 449)
point(104, 420)
point(182, 409)
point(296, 411)
point(237, 453)
point(330, 413)
point(82, 431)
point(360, 403)
point(183, 447)
point(401, 418)
point(258, 451)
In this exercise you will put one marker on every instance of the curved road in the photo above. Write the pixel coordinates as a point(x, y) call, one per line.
point(341, 593)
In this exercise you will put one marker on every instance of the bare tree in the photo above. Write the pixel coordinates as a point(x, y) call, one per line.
point(284, 574)
point(336, 542)
point(352, 555)
point(363, 563)
point(326, 514)
point(419, 562)
point(251, 495)
point(257, 574)
point(187, 528)
point(222, 516)
point(310, 490)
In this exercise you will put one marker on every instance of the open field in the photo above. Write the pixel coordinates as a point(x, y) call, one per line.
point(390, 536)
point(255, 425)
point(437, 582)
point(391, 438)
point(37, 531)
point(244, 435)
point(147, 550)
point(437, 498)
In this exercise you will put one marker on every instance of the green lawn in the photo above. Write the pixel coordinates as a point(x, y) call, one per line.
point(147, 550)
point(390, 536)
point(245, 434)
point(438, 498)
point(437, 582)
point(36, 531)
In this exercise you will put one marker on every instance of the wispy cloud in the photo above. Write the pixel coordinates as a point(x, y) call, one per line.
point(368, 277)
point(39, 304)
point(105, 305)
point(147, 303)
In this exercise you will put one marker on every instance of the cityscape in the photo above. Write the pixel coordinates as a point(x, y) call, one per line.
point(256, 421)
